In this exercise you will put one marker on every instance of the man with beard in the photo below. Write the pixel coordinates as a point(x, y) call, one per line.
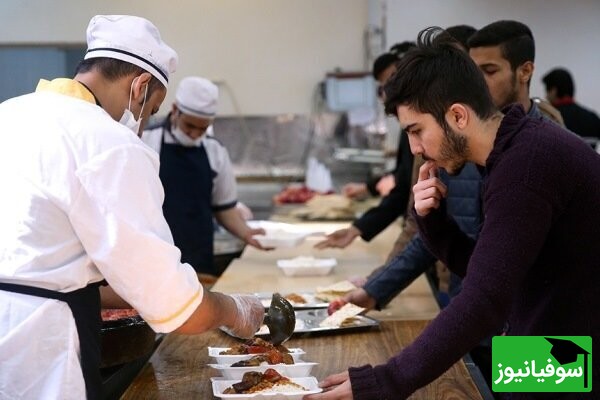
point(505, 52)
point(197, 176)
point(410, 257)
point(529, 266)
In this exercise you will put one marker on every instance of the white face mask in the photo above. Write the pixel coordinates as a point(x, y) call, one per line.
point(184, 139)
point(128, 119)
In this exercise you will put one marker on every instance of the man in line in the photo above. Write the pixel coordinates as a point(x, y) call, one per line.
point(529, 266)
point(85, 205)
point(560, 91)
point(197, 175)
point(383, 68)
point(376, 219)
point(504, 51)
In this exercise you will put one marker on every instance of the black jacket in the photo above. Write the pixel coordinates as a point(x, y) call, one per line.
point(394, 204)
point(580, 120)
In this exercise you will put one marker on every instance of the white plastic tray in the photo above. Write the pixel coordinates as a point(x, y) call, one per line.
point(298, 370)
point(310, 383)
point(280, 239)
point(311, 266)
point(230, 359)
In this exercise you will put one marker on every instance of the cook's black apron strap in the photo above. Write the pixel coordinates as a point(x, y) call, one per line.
point(85, 307)
point(187, 178)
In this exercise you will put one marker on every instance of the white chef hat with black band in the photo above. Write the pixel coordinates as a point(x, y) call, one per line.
point(197, 97)
point(131, 39)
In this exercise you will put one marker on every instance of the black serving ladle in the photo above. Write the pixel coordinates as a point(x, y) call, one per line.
point(280, 319)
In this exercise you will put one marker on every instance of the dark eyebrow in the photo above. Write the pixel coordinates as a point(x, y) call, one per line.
point(487, 65)
point(409, 127)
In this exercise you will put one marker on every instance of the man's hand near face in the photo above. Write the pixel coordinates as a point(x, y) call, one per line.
point(429, 189)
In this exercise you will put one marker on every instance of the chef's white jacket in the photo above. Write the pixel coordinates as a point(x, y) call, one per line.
point(81, 202)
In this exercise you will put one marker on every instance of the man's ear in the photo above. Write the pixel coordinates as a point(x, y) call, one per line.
point(458, 116)
point(525, 72)
point(140, 85)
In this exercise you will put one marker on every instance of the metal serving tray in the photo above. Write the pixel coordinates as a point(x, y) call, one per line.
point(311, 301)
point(307, 321)
point(370, 156)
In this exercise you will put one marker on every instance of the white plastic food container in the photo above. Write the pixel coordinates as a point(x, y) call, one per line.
point(230, 359)
point(310, 383)
point(280, 239)
point(298, 370)
point(307, 266)
point(264, 330)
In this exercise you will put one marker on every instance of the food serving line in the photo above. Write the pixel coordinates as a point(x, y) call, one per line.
point(179, 367)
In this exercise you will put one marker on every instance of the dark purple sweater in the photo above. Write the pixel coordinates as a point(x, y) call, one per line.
point(536, 264)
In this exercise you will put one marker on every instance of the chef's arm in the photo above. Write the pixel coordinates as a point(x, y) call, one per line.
point(240, 315)
point(233, 221)
point(110, 299)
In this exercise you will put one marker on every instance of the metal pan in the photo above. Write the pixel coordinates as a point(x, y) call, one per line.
point(124, 340)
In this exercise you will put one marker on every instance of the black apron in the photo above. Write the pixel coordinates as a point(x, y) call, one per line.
point(188, 181)
point(85, 307)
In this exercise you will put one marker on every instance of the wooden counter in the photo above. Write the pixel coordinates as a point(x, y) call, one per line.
point(256, 271)
point(178, 368)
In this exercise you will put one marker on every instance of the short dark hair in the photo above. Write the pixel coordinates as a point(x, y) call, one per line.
point(435, 75)
point(514, 38)
point(399, 49)
point(462, 33)
point(396, 52)
point(382, 63)
point(560, 79)
point(113, 69)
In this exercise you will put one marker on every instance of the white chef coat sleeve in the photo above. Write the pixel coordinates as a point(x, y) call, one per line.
point(224, 191)
point(153, 138)
point(117, 215)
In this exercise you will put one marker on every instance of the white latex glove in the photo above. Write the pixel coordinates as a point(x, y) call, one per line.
point(249, 317)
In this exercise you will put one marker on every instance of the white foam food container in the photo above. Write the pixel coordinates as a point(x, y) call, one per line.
point(280, 239)
point(298, 370)
point(227, 359)
point(307, 266)
point(264, 329)
point(310, 383)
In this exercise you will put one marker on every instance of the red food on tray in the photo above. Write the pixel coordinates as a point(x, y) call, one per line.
point(271, 357)
point(294, 194)
point(254, 346)
point(113, 314)
point(268, 382)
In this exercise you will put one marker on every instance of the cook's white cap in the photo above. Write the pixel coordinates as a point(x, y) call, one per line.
point(197, 97)
point(131, 39)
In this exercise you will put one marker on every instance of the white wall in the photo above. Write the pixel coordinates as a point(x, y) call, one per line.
point(270, 53)
point(567, 33)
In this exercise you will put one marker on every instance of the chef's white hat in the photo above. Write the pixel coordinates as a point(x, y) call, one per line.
point(197, 96)
point(132, 39)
